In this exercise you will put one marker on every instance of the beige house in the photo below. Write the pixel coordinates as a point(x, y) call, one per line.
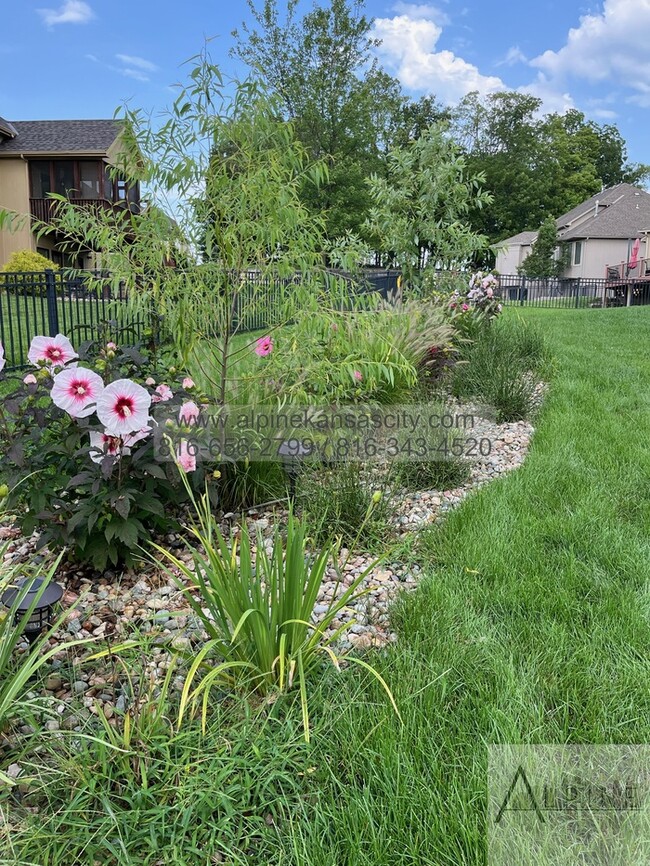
point(69, 157)
point(600, 233)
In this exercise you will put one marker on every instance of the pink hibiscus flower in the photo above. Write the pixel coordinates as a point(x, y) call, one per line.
point(30, 379)
point(465, 308)
point(131, 439)
point(489, 292)
point(103, 445)
point(76, 391)
point(264, 346)
point(51, 351)
point(2, 357)
point(123, 407)
point(149, 381)
point(188, 383)
point(188, 413)
point(185, 457)
point(163, 394)
point(357, 375)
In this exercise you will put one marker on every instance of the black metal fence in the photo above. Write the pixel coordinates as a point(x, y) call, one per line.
point(50, 303)
point(64, 302)
point(555, 292)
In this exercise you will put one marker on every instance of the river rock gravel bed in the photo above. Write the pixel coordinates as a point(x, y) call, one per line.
point(111, 607)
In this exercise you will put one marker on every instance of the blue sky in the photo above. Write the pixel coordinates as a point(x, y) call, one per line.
point(83, 58)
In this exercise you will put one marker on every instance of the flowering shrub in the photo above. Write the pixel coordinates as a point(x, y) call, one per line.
point(80, 442)
point(483, 294)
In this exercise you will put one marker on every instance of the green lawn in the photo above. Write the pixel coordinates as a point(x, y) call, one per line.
point(22, 318)
point(531, 626)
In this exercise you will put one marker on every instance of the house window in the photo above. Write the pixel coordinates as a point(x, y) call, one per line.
point(40, 175)
point(63, 177)
point(577, 252)
point(43, 251)
point(89, 180)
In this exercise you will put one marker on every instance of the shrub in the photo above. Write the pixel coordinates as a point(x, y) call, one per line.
point(26, 261)
point(431, 475)
point(347, 503)
point(501, 367)
point(88, 483)
point(257, 611)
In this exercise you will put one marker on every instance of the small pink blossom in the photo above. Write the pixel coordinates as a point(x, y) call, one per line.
point(188, 413)
point(123, 407)
point(111, 346)
point(452, 306)
point(150, 382)
point(30, 379)
point(185, 458)
point(163, 394)
point(51, 351)
point(357, 375)
point(188, 383)
point(264, 346)
point(2, 356)
point(76, 391)
point(489, 292)
point(465, 308)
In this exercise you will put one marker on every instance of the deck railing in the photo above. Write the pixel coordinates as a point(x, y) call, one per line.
point(44, 209)
point(625, 271)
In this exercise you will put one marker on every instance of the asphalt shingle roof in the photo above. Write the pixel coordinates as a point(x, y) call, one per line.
point(623, 212)
point(61, 136)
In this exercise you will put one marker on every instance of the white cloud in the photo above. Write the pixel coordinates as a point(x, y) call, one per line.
point(408, 49)
point(418, 11)
point(137, 62)
point(71, 12)
point(610, 45)
point(514, 55)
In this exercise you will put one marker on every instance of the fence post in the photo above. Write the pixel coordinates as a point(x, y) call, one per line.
point(52, 306)
point(522, 286)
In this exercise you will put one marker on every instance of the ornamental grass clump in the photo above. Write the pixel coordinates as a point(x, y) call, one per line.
point(257, 607)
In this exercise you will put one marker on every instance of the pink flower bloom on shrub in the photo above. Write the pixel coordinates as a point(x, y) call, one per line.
point(123, 407)
point(30, 379)
point(130, 439)
point(357, 375)
point(76, 391)
point(489, 292)
point(188, 383)
point(150, 382)
point(188, 413)
point(465, 308)
point(2, 357)
point(111, 346)
point(185, 457)
point(102, 445)
point(51, 351)
point(163, 394)
point(264, 346)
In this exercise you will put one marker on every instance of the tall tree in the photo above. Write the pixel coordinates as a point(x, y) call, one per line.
point(345, 109)
point(542, 260)
point(420, 210)
point(536, 164)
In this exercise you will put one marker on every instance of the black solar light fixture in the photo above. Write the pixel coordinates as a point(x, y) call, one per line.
point(41, 601)
point(293, 452)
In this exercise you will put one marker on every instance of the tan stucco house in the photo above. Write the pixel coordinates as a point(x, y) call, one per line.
point(600, 233)
point(69, 157)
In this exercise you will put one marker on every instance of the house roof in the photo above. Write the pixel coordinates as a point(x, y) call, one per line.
point(622, 211)
point(6, 129)
point(523, 238)
point(60, 136)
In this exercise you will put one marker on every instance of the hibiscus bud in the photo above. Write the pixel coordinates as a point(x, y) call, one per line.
point(100, 365)
point(110, 354)
point(216, 474)
point(4, 491)
point(376, 496)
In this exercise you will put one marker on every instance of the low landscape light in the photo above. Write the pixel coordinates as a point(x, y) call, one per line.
point(42, 608)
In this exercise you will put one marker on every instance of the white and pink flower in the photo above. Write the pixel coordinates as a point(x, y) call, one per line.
point(149, 381)
point(51, 351)
point(30, 379)
point(163, 394)
point(76, 391)
point(123, 407)
point(103, 445)
point(130, 439)
point(185, 457)
point(188, 383)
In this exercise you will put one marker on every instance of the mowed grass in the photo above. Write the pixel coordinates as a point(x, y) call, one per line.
point(531, 625)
